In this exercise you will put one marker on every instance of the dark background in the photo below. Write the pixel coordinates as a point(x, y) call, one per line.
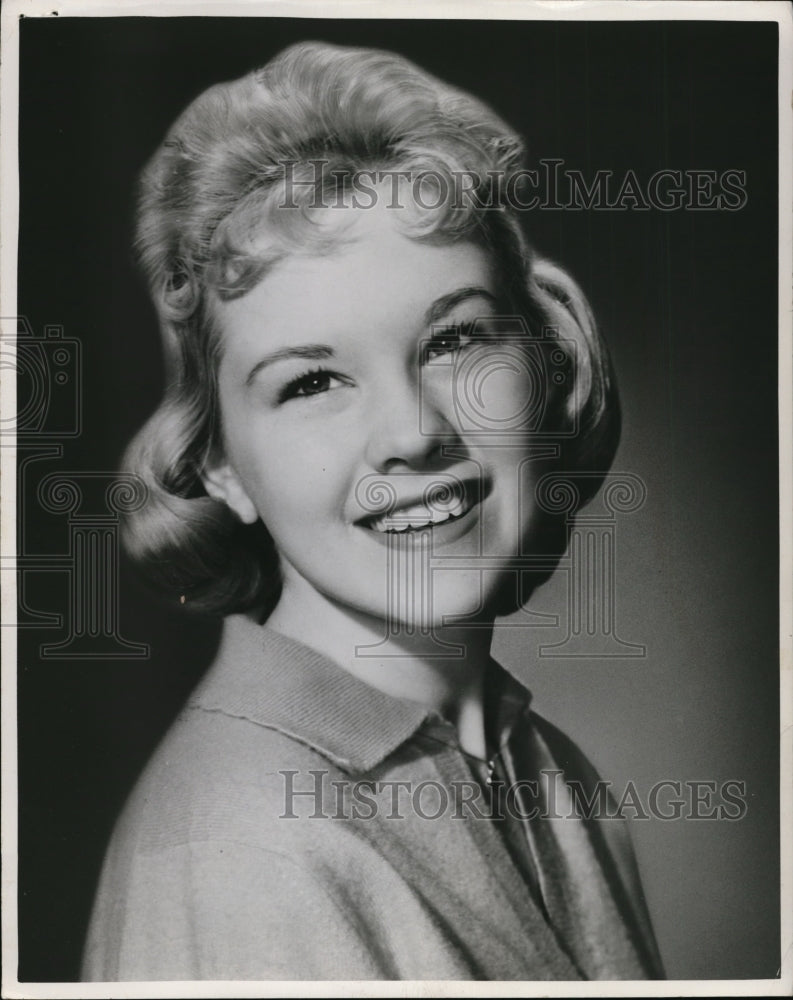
point(688, 302)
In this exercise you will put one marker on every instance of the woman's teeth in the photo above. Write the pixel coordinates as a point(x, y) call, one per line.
point(418, 516)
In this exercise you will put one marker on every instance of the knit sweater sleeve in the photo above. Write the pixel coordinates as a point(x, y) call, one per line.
point(185, 913)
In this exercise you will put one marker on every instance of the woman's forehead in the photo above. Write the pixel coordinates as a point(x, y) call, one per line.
point(374, 276)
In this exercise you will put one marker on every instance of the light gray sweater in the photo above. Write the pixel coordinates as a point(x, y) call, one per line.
point(387, 866)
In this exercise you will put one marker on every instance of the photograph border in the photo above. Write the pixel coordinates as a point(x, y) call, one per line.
point(594, 10)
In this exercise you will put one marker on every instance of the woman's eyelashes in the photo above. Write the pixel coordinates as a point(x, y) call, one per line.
point(446, 340)
point(312, 383)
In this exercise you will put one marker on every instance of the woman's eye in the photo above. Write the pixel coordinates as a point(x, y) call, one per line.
point(310, 384)
point(446, 341)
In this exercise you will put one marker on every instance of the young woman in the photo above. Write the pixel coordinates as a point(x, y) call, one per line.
point(372, 380)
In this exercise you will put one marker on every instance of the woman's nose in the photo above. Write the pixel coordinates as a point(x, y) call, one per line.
point(406, 427)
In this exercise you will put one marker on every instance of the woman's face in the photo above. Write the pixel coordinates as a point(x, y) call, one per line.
point(350, 387)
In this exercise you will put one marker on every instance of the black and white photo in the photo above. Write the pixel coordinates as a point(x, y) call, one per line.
point(395, 498)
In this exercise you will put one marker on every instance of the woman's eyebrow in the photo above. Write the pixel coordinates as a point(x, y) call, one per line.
point(311, 352)
point(317, 352)
point(440, 307)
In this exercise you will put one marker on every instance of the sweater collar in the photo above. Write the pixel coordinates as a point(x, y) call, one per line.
point(275, 681)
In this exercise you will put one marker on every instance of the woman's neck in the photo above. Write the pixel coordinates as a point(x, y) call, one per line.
point(409, 666)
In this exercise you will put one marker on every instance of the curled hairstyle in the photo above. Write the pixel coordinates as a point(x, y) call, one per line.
point(218, 180)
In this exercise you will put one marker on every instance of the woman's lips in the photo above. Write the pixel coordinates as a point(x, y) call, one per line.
point(444, 519)
point(417, 516)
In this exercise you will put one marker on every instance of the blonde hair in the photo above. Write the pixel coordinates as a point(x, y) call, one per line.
point(218, 178)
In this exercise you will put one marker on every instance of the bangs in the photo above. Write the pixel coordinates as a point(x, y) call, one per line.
point(313, 207)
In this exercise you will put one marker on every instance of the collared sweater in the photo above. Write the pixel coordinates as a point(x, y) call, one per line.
point(297, 823)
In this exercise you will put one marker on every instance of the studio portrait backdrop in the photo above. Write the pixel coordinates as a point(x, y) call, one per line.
point(671, 683)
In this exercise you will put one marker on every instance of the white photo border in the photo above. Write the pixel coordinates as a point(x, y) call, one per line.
point(593, 10)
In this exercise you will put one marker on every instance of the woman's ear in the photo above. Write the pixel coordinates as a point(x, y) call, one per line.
point(222, 483)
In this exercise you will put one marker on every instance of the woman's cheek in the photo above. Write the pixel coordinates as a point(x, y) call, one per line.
point(300, 477)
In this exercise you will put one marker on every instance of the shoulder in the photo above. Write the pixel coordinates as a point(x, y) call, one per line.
point(565, 752)
point(592, 798)
point(211, 875)
point(593, 802)
point(217, 776)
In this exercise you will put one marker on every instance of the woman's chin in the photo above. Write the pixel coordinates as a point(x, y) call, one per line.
point(454, 598)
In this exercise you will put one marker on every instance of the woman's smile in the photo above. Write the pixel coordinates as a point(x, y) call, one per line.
point(444, 511)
